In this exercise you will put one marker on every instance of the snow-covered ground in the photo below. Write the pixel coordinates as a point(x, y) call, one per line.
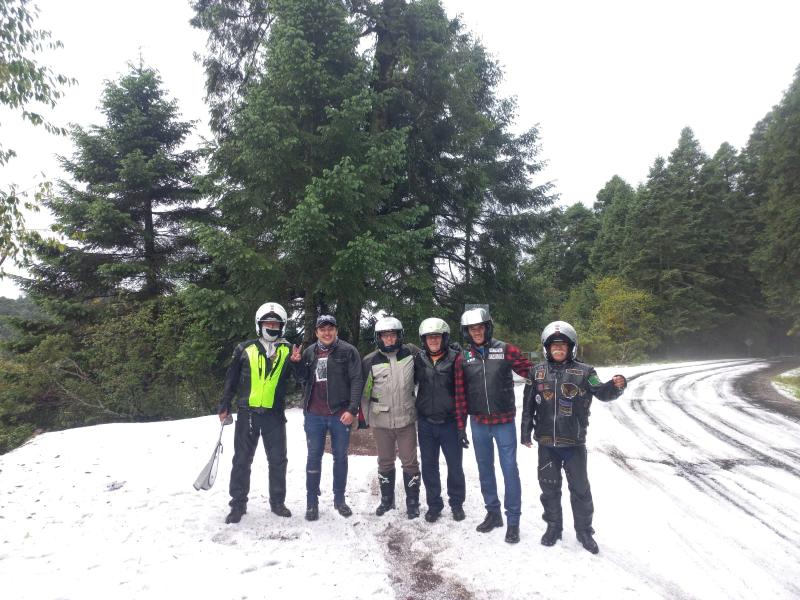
point(696, 491)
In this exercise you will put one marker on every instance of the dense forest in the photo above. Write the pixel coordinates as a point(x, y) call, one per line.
point(363, 161)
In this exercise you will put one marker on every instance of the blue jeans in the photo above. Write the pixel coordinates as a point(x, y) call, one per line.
point(483, 439)
point(316, 427)
point(432, 437)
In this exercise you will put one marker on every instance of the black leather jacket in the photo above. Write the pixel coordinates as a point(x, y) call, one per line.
point(345, 380)
point(488, 379)
point(556, 405)
point(436, 391)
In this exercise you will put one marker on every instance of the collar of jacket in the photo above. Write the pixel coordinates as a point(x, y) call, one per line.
point(558, 366)
point(482, 348)
point(399, 354)
point(324, 348)
point(446, 353)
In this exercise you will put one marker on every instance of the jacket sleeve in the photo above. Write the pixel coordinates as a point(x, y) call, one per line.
point(460, 392)
point(301, 369)
point(519, 363)
point(602, 391)
point(356, 381)
point(367, 393)
point(231, 385)
point(528, 421)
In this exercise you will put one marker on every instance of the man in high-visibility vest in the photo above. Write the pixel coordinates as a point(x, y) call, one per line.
point(257, 378)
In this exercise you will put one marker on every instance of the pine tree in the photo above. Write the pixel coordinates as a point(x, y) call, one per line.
point(117, 341)
point(613, 207)
point(472, 175)
point(777, 259)
point(302, 180)
point(124, 217)
point(451, 206)
point(562, 257)
point(675, 244)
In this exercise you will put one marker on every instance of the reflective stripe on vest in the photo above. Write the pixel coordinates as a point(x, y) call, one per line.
point(263, 383)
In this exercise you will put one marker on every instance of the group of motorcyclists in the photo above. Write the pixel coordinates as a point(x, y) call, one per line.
point(422, 397)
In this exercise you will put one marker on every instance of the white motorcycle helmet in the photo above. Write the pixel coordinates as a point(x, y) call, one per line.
point(389, 324)
point(434, 326)
point(476, 316)
point(267, 311)
point(559, 331)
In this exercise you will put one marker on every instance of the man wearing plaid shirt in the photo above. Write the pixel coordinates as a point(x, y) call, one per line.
point(484, 389)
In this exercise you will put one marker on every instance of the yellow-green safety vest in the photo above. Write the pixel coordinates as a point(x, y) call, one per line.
point(263, 382)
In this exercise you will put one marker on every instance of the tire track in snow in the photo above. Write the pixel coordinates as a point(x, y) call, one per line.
point(700, 474)
point(672, 393)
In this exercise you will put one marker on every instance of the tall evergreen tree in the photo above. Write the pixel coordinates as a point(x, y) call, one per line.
point(237, 31)
point(124, 217)
point(675, 243)
point(117, 341)
point(472, 175)
point(463, 191)
point(777, 259)
point(613, 207)
point(563, 254)
point(302, 180)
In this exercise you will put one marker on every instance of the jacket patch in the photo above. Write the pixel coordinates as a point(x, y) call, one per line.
point(469, 356)
point(538, 399)
point(595, 380)
point(564, 408)
point(574, 371)
point(496, 350)
point(539, 375)
point(496, 357)
point(548, 396)
point(570, 390)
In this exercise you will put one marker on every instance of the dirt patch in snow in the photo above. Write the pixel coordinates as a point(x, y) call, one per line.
point(413, 572)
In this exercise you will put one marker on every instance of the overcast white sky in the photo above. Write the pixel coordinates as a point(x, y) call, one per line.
point(610, 84)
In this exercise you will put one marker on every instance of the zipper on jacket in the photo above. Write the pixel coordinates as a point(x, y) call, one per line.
point(485, 389)
point(327, 378)
point(555, 407)
point(393, 383)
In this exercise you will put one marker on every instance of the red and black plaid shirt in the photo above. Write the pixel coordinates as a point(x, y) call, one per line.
point(519, 364)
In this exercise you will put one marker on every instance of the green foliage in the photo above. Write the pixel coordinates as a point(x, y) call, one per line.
point(775, 149)
point(562, 256)
point(616, 323)
point(792, 382)
point(237, 30)
point(613, 207)
point(473, 175)
point(24, 83)
point(13, 310)
point(126, 216)
point(392, 173)
point(577, 309)
point(624, 327)
point(143, 361)
point(677, 238)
